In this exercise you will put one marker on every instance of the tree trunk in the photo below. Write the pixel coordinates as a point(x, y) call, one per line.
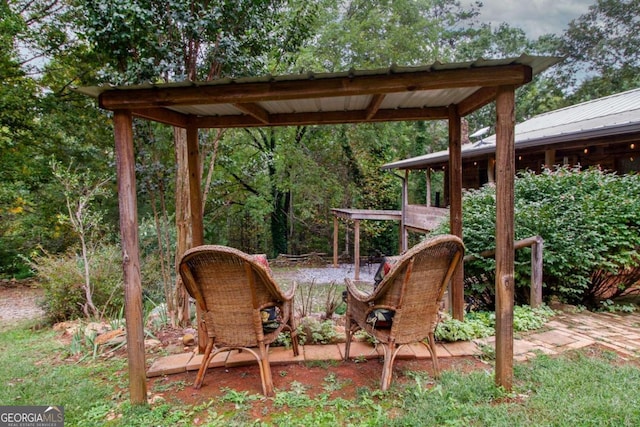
point(183, 221)
point(279, 226)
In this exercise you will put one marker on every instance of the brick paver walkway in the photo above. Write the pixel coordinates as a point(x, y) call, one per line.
point(566, 331)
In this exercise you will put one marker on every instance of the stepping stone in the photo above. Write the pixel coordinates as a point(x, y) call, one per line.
point(240, 358)
point(406, 353)
point(553, 338)
point(173, 364)
point(524, 347)
point(283, 355)
point(462, 348)
point(218, 361)
point(360, 349)
point(420, 350)
point(322, 352)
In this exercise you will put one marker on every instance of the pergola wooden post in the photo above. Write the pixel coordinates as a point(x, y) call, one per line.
point(455, 206)
point(127, 200)
point(505, 171)
point(195, 204)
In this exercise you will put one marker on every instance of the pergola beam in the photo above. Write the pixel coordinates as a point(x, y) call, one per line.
point(324, 118)
point(162, 115)
point(255, 111)
point(478, 99)
point(254, 92)
point(374, 106)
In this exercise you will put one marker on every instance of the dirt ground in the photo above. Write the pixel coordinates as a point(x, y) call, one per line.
point(339, 379)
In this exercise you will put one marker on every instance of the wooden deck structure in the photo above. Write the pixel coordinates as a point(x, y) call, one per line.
point(433, 92)
point(418, 218)
point(357, 215)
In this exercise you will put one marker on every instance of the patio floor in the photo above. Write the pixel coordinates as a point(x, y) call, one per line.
point(566, 331)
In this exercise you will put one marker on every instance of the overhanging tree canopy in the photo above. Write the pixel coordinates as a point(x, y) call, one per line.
point(434, 92)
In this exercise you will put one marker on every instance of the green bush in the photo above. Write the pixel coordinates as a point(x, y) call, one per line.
point(61, 278)
point(480, 324)
point(590, 223)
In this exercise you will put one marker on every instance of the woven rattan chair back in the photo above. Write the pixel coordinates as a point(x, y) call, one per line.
point(233, 290)
point(412, 290)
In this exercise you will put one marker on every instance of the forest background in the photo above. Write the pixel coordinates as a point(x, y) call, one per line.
point(265, 190)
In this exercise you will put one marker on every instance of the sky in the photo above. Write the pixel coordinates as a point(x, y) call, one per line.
point(535, 17)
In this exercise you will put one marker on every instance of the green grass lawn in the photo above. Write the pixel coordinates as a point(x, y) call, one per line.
point(589, 387)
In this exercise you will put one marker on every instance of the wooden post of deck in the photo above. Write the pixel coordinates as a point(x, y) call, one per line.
point(356, 248)
point(127, 200)
point(428, 183)
point(505, 175)
point(535, 296)
point(195, 190)
point(549, 158)
point(335, 241)
point(404, 237)
point(455, 207)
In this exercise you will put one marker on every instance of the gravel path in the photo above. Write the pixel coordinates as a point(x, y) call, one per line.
point(19, 302)
point(328, 274)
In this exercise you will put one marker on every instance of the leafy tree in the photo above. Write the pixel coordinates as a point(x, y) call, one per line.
point(602, 49)
point(80, 191)
point(41, 118)
point(363, 34)
point(195, 40)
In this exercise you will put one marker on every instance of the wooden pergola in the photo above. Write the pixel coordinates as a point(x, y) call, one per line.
point(434, 92)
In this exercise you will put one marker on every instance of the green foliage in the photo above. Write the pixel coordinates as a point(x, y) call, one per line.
point(588, 220)
point(314, 331)
point(481, 324)
point(611, 307)
point(604, 44)
point(471, 328)
point(62, 280)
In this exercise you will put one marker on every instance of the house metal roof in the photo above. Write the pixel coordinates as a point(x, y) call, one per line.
point(395, 93)
point(612, 115)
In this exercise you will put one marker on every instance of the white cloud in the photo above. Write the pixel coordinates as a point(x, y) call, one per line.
point(535, 17)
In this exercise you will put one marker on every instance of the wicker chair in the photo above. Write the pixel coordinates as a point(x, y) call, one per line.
point(236, 294)
point(411, 292)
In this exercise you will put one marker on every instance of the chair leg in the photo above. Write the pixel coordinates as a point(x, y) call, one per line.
point(205, 364)
point(348, 337)
point(434, 356)
point(265, 371)
point(387, 368)
point(293, 331)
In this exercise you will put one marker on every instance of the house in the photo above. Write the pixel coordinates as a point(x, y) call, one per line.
point(603, 132)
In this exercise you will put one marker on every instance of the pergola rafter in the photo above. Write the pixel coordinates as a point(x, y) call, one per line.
point(434, 92)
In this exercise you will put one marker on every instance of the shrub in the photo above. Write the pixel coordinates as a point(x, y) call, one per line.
point(315, 331)
point(590, 223)
point(482, 324)
point(61, 278)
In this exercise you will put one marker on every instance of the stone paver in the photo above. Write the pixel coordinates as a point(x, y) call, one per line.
point(174, 364)
point(553, 338)
point(567, 331)
point(322, 352)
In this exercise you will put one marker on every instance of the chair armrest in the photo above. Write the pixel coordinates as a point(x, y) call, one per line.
point(291, 292)
point(355, 292)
